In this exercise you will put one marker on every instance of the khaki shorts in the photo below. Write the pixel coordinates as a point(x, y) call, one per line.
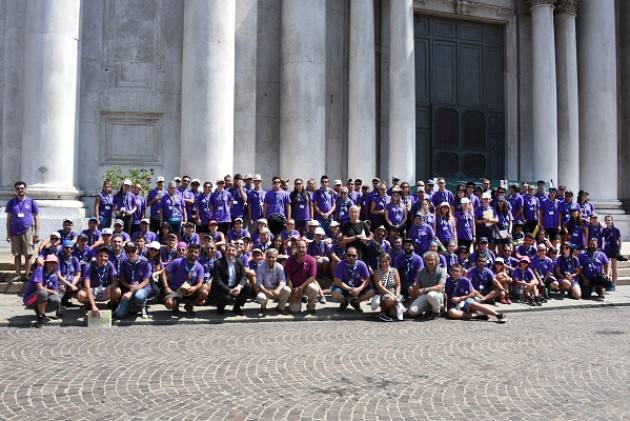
point(22, 245)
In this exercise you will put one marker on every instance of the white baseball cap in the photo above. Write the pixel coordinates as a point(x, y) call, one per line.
point(159, 179)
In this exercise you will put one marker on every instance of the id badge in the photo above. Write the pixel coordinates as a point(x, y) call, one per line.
point(550, 213)
point(235, 202)
point(108, 207)
point(301, 206)
point(20, 215)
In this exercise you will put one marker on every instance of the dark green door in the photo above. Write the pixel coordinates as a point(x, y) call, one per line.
point(459, 98)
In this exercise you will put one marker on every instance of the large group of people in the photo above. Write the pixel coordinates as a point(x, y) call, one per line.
point(424, 252)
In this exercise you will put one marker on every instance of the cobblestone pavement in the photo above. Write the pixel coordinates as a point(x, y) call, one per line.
point(562, 365)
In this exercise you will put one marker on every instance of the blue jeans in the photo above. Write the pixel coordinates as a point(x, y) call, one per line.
point(139, 299)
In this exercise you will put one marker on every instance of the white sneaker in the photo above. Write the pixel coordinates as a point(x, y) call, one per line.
point(145, 313)
point(322, 300)
point(400, 311)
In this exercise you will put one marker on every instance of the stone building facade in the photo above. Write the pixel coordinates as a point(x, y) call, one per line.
point(517, 89)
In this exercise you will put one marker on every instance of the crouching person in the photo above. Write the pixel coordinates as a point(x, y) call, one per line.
point(271, 283)
point(134, 279)
point(427, 291)
point(461, 301)
point(387, 285)
point(352, 282)
point(185, 282)
point(229, 282)
point(42, 291)
point(99, 283)
point(593, 275)
point(300, 271)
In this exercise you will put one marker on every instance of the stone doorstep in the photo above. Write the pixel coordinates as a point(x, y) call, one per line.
point(208, 315)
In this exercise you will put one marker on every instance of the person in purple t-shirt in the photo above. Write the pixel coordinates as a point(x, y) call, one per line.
point(22, 228)
point(568, 271)
point(550, 216)
point(324, 203)
point(220, 204)
point(100, 282)
point(189, 236)
point(185, 282)
point(351, 283)
point(396, 213)
point(531, 209)
point(378, 201)
point(153, 202)
point(421, 233)
point(125, 204)
point(239, 198)
point(255, 201)
point(465, 222)
point(42, 291)
point(104, 206)
point(611, 236)
point(141, 207)
point(173, 209)
point(461, 295)
point(442, 194)
point(144, 232)
point(277, 201)
point(134, 278)
point(526, 283)
point(594, 274)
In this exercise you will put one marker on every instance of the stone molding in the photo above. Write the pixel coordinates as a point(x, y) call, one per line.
point(568, 7)
point(121, 132)
point(533, 3)
point(462, 7)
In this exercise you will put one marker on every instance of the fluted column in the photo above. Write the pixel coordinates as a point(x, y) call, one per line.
point(402, 93)
point(567, 91)
point(50, 97)
point(362, 92)
point(598, 98)
point(207, 131)
point(303, 89)
point(545, 121)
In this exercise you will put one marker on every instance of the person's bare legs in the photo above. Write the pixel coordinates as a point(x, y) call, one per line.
point(17, 261)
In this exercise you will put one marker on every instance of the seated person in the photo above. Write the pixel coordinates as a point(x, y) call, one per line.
point(229, 282)
point(134, 280)
point(237, 231)
point(189, 235)
point(66, 232)
point(82, 251)
point(461, 303)
point(185, 282)
point(408, 266)
point(100, 282)
point(428, 289)
point(92, 233)
point(69, 274)
point(502, 275)
point(351, 284)
point(526, 249)
point(567, 270)
point(118, 230)
point(320, 251)
point(51, 246)
point(144, 232)
point(42, 291)
point(271, 283)
point(594, 271)
point(387, 290)
point(300, 270)
point(481, 249)
point(543, 270)
point(434, 246)
point(525, 283)
point(485, 282)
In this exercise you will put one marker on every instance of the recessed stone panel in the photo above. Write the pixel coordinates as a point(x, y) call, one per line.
point(130, 138)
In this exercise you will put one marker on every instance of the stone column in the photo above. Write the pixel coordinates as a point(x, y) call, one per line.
point(207, 132)
point(50, 97)
point(598, 99)
point(362, 92)
point(568, 101)
point(402, 97)
point(303, 89)
point(545, 120)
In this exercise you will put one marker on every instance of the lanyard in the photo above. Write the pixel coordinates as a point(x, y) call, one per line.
point(102, 273)
point(132, 267)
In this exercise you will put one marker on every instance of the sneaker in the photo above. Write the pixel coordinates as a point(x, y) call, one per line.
point(145, 313)
point(537, 301)
point(385, 318)
point(304, 299)
point(41, 321)
point(482, 317)
point(622, 258)
point(357, 306)
point(400, 311)
point(343, 306)
point(321, 300)
point(59, 312)
point(501, 318)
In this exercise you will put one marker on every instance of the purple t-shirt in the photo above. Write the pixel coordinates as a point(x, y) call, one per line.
point(192, 239)
point(22, 214)
point(148, 236)
point(124, 200)
point(516, 203)
point(135, 273)
point(141, 207)
point(443, 229)
point(408, 267)
point(320, 249)
point(421, 236)
point(181, 270)
point(255, 200)
point(352, 275)
point(550, 210)
point(105, 205)
point(342, 210)
point(323, 200)
point(238, 204)
point(276, 201)
point(233, 235)
point(68, 267)
point(396, 213)
point(531, 204)
point(523, 275)
point(481, 279)
point(172, 207)
point(100, 276)
point(39, 276)
point(593, 264)
point(67, 235)
point(84, 255)
point(92, 236)
point(442, 196)
point(220, 204)
point(567, 265)
point(462, 287)
point(611, 238)
point(542, 266)
point(188, 195)
point(203, 209)
point(155, 207)
point(465, 223)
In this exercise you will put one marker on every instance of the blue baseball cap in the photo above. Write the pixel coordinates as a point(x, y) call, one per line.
point(67, 243)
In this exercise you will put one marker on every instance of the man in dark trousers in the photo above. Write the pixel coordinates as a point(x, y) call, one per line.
point(229, 283)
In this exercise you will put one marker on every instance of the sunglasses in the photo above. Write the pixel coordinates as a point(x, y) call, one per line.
point(351, 255)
